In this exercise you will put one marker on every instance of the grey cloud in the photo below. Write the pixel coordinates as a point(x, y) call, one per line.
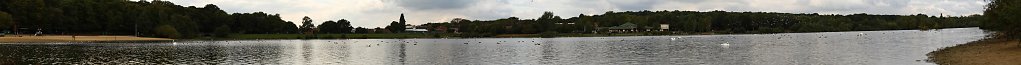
point(634, 4)
point(433, 4)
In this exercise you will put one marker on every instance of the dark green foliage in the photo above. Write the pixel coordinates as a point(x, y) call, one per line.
point(306, 26)
point(711, 22)
point(167, 31)
point(6, 22)
point(361, 30)
point(1003, 16)
point(335, 27)
point(397, 27)
point(122, 17)
point(549, 34)
point(222, 31)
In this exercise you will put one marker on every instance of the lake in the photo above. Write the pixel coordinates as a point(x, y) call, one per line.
point(896, 47)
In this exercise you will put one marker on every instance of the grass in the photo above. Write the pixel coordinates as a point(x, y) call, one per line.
point(993, 51)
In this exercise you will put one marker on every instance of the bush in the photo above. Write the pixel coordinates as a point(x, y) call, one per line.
point(167, 31)
point(549, 34)
point(222, 31)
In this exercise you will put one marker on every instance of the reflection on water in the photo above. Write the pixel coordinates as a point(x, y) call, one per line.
point(905, 47)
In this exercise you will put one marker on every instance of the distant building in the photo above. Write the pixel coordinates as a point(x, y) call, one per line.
point(623, 28)
point(664, 27)
point(415, 29)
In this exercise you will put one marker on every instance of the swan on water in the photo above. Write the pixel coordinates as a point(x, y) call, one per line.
point(725, 44)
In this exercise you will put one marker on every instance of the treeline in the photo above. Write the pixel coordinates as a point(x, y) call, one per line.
point(1003, 16)
point(145, 18)
point(707, 22)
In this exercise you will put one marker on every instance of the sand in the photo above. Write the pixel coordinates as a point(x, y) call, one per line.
point(983, 52)
point(64, 38)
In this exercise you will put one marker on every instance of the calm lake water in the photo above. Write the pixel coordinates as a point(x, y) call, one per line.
point(899, 47)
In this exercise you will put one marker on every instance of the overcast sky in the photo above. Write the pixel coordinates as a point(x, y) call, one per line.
point(378, 13)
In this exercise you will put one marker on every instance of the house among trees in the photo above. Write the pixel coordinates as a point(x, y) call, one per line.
point(415, 29)
point(623, 28)
point(664, 27)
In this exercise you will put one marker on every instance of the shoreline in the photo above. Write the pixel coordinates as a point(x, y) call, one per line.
point(83, 39)
point(991, 51)
point(447, 35)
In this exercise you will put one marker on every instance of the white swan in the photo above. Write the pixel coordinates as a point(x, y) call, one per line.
point(725, 44)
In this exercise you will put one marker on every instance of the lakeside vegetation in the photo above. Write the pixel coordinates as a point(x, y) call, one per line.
point(165, 19)
point(708, 22)
point(999, 48)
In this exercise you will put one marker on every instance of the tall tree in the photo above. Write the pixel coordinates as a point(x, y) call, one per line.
point(344, 26)
point(395, 27)
point(401, 25)
point(306, 25)
point(1002, 16)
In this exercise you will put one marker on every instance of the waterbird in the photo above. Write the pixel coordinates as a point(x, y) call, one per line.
point(726, 44)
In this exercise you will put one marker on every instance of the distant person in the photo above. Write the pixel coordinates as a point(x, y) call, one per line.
point(39, 32)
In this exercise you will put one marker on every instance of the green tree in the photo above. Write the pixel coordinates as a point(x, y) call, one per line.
point(1002, 16)
point(344, 26)
point(167, 31)
point(306, 25)
point(6, 21)
point(395, 27)
point(222, 31)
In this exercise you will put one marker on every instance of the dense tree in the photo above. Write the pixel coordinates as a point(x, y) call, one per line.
point(121, 17)
point(361, 30)
point(167, 31)
point(395, 27)
point(6, 22)
point(711, 22)
point(222, 31)
point(335, 27)
point(1002, 16)
point(306, 25)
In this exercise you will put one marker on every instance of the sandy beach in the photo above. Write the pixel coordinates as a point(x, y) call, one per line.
point(983, 52)
point(64, 38)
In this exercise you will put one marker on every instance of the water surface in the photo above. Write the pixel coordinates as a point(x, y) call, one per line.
point(899, 47)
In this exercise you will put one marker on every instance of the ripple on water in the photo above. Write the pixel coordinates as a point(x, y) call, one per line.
point(899, 47)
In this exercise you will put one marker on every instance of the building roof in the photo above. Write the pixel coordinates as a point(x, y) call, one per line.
point(628, 25)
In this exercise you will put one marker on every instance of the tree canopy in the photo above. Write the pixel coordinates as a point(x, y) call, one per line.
point(1002, 16)
point(122, 17)
point(712, 21)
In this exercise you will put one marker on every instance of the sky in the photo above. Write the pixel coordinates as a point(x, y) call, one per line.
point(379, 13)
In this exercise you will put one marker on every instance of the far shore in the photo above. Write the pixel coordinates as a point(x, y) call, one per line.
point(68, 38)
point(994, 51)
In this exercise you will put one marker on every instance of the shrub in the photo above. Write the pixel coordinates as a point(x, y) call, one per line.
point(167, 31)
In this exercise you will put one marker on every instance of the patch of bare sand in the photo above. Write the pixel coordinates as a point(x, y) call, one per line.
point(983, 52)
point(29, 39)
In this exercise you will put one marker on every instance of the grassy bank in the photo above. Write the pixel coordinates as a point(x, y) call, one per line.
point(994, 51)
